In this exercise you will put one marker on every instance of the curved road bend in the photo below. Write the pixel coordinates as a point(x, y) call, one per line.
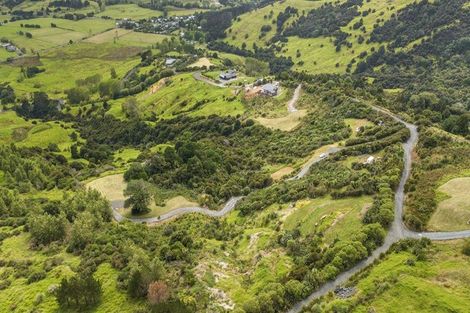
point(397, 231)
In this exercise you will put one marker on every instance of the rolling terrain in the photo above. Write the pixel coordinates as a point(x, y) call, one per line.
point(234, 156)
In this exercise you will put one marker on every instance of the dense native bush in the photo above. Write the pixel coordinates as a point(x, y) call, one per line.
point(7, 94)
point(417, 20)
point(45, 228)
point(433, 72)
point(277, 64)
point(39, 106)
point(33, 169)
point(326, 20)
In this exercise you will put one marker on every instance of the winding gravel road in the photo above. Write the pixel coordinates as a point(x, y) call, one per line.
point(232, 202)
point(397, 230)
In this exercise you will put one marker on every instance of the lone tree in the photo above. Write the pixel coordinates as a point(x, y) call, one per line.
point(139, 193)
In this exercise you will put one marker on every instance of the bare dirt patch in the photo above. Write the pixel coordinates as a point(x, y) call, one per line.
point(251, 92)
point(157, 86)
point(253, 240)
point(26, 61)
point(201, 62)
point(285, 123)
point(112, 186)
point(278, 175)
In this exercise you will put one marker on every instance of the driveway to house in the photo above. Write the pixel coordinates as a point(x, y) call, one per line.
point(291, 104)
point(202, 78)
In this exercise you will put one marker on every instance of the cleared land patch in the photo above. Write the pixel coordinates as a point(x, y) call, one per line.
point(131, 10)
point(356, 124)
point(282, 172)
point(126, 37)
point(335, 218)
point(183, 94)
point(453, 213)
point(49, 37)
point(112, 186)
point(285, 123)
point(202, 62)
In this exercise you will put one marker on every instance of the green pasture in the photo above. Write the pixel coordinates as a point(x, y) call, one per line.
point(48, 37)
point(337, 219)
point(64, 66)
point(131, 11)
point(20, 296)
point(438, 284)
point(248, 28)
point(185, 95)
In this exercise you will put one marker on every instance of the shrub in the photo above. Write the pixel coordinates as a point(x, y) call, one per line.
point(466, 247)
point(36, 276)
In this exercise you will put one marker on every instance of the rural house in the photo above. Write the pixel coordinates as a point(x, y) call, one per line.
point(170, 61)
point(230, 74)
point(270, 89)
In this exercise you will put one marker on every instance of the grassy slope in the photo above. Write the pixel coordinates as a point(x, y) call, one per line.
point(14, 129)
point(317, 54)
point(21, 297)
point(64, 66)
point(453, 211)
point(322, 51)
point(131, 10)
point(250, 23)
point(182, 94)
point(48, 37)
point(440, 284)
point(336, 218)
point(126, 37)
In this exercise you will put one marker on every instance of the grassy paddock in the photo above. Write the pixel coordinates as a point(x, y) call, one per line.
point(453, 211)
point(48, 37)
point(131, 10)
point(248, 28)
point(66, 65)
point(185, 95)
point(336, 218)
point(112, 186)
point(126, 37)
point(285, 123)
